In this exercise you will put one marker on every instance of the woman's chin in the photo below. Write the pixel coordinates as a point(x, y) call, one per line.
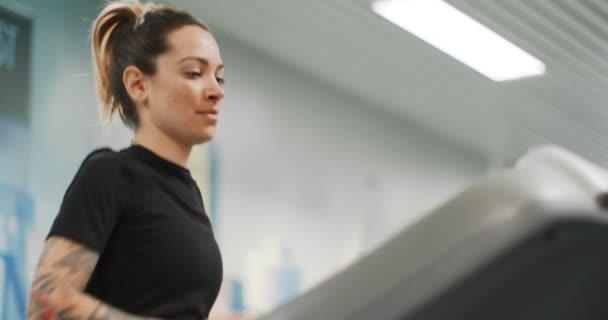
point(204, 136)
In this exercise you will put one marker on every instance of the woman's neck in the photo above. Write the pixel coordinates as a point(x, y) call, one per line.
point(163, 146)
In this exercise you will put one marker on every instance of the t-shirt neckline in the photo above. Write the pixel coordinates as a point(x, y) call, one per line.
point(157, 161)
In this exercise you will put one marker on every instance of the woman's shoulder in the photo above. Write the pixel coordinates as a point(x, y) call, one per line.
point(103, 156)
point(103, 161)
point(102, 169)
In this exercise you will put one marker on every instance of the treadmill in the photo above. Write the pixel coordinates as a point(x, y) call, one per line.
point(528, 242)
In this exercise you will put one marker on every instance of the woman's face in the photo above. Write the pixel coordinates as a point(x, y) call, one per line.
point(185, 92)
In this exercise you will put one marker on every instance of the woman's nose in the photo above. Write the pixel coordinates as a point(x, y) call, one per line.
point(214, 91)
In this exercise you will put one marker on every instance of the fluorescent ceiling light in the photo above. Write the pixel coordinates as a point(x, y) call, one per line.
point(453, 32)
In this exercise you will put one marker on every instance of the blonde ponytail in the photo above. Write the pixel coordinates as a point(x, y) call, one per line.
point(125, 33)
point(114, 14)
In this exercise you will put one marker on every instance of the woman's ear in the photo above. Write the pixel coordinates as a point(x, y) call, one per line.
point(134, 81)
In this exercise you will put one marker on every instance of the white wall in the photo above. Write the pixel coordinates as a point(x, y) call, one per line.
point(319, 170)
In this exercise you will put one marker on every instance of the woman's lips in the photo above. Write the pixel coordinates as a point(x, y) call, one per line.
point(210, 114)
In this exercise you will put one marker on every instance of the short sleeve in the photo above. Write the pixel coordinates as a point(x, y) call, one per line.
point(94, 201)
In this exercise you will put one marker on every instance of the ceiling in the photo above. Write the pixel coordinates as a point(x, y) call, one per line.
point(344, 44)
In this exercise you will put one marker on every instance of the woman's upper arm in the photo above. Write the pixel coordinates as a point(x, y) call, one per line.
point(62, 274)
point(64, 263)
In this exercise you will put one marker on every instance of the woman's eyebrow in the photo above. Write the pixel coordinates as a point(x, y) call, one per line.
point(200, 60)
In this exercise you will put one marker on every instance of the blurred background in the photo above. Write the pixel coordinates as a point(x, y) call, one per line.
point(340, 126)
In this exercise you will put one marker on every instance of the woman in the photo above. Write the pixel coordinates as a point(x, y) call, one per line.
point(131, 239)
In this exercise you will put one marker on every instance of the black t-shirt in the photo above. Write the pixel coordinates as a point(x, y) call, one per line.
point(145, 216)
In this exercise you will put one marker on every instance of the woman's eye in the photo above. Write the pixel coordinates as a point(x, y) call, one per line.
point(193, 74)
point(220, 81)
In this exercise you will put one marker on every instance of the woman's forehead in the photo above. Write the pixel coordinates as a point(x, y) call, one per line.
point(193, 41)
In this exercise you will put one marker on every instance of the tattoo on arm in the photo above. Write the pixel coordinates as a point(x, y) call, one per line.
point(79, 260)
point(63, 264)
point(44, 283)
point(39, 307)
point(62, 274)
point(66, 314)
point(77, 266)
